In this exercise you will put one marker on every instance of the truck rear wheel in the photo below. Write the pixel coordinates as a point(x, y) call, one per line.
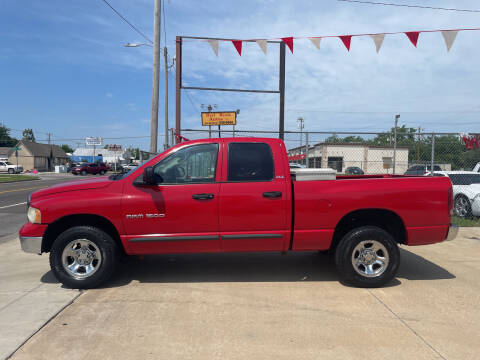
point(367, 257)
point(83, 257)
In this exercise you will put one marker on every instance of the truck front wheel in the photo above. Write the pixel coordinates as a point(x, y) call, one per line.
point(367, 257)
point(83, 257)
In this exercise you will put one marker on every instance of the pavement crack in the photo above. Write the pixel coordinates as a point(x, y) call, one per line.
point(407, 326)
point(20, 297)
point(45, 324)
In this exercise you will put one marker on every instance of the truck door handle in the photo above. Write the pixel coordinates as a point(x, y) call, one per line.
point(272, 194)
point(202, 196)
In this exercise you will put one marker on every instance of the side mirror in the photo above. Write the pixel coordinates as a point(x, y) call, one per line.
point(149, 176)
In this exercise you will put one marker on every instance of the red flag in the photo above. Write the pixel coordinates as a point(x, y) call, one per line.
point(346, 39)
point(289, 42)
point(238, 46)
point(413, 36)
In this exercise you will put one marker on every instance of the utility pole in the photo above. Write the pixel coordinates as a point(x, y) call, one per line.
point(300, 122)
point(418, 145)
point(50, 155)
point(395, 143)
point(165, 55)
point(156, 71)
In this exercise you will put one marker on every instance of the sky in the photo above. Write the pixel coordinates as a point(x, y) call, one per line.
point(64, 68)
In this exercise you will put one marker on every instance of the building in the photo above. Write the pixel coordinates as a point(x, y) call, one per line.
point(372, 159)
point(42, 157)
point(4, 153)
point(110, 156)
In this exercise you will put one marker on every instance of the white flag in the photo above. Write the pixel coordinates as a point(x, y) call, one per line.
point(316, 42)
point(214, 45)
point(263, 45)
point(378, 40)
point(449, 37)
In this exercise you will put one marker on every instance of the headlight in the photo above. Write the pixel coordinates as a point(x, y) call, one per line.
point(34, 215)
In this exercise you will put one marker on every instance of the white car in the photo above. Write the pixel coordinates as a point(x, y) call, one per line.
point(466, 191)
point(129, 167)
point(10, 168)
point(297, 166)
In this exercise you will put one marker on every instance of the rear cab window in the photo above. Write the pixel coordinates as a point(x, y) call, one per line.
point(250, 162)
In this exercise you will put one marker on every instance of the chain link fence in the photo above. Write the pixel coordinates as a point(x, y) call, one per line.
point(406, 152)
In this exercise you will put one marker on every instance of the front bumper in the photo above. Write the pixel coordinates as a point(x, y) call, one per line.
point(452, 232)
point(31, 244)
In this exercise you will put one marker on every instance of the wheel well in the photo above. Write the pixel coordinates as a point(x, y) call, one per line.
point(384, 219)
point(62, 224)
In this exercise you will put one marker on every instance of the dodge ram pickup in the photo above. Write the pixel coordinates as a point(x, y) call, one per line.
point(234, 195)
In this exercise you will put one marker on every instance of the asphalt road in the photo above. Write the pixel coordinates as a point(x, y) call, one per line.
point(13, 202)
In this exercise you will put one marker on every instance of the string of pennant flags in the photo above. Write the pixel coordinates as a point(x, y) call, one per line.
point(448, 35)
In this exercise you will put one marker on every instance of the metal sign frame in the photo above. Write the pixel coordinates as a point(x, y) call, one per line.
point(179, 84)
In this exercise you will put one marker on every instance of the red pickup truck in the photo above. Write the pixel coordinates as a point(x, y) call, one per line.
point(234, 195)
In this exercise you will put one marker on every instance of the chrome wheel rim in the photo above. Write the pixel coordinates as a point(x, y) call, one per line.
point(370, 258)
point(461, 206)
point(81, 258)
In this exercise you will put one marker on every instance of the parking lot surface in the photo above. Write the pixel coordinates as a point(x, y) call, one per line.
point(268, 306)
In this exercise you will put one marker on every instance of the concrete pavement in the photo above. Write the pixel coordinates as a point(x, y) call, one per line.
point(268, 306)
point(27, 299)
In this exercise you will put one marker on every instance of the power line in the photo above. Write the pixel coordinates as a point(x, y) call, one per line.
point(410, 6)
point(128, 22)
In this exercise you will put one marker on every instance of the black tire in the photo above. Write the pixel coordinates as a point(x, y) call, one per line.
point(462, 206)
point(83, 173)
point(106, 246)
point(344, 257)
point(102, 172)
point(11, 171)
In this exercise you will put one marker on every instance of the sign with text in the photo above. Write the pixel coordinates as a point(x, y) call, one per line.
point(94, 141)
point(219, 118)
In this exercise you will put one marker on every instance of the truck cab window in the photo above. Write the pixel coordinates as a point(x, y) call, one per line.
point(191, 165)
point(250, 162)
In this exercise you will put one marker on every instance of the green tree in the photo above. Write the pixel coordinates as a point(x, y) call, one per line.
point(5, 139)
point(67, 148)
point(27, 134)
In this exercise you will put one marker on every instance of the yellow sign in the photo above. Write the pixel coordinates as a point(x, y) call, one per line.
point(219, 118)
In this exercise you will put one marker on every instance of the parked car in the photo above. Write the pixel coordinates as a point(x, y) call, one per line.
point(128, 167)
point(6, 166)
point(353, 170)
point(185, 201)
point(92, 168)
point(420, 170)
point(297, 166)
point(466, 191)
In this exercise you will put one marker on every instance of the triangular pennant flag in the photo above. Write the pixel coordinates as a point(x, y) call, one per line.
point(378, 40)
point(238, 46)
point(289, 42)
point(263, 45)
point(346, 39)
point(449, 37)
point(315, 41)
point(413, 36)
point(214, 45)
